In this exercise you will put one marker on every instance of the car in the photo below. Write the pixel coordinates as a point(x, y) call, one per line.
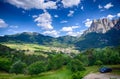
point(105, 69)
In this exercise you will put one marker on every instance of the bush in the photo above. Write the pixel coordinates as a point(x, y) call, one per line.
point(18, 67)
point(36, 68)
point(5, 64)
point(56, 62)
point(98, 62)
point(75, 65)
point(77, 75)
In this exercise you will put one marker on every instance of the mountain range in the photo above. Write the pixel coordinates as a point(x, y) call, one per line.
point(101, 33)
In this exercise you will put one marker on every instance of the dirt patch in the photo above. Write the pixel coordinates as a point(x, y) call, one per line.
point(101, 76)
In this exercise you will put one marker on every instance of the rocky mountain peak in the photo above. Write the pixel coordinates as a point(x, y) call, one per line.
point(101, 25)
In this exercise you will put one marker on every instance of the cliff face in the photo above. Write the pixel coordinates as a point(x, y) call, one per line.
point(101, 25)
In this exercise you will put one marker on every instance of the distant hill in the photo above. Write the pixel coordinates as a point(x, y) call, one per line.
point(28, 37)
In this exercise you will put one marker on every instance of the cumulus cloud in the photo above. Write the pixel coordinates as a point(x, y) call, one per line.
point(29, 4)
point(109, 5)
point(111, 16)
point(70, 13)
point(118, 14)
point(44, 21)
point(70, 3)
point(64, 21)
point(88, 22)
point(69, 29)
point(53, 33)
point(3, 24)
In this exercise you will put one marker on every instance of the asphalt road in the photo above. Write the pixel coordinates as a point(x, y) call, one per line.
point(101, 76)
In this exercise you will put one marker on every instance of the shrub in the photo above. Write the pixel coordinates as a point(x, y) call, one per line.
point(36, 68)
point(5, 64)
point(75, 65)
point(98, 62)
point(18, 67)
point(77, 75)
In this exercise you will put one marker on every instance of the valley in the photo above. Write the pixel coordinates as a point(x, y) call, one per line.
point(59, 39)
point(31, 55)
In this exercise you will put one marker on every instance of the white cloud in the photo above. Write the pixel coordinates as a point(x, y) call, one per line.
point(44, 21)
point(75, 27)
point(64, 21)
point(29, 4)
point(70, 13)
point(53, 33)
point(88, 22)
point(56, 16)
point(74, 33)
point(66, 29)
point(3, 24)
point(34, 16)
point(109, 5)
point(111, 16)
point(69, 29)
point(70, 3)
point(118, 14)
point(82, 8)
point(100, 7)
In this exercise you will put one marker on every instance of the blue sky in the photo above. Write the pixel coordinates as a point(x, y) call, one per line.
point(54, 17)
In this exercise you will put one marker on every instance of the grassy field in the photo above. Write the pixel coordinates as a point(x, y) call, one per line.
point(62, 73)
point(27, 46)
point(33, 48)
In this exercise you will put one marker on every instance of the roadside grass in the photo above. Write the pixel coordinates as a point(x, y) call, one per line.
point(90, 69)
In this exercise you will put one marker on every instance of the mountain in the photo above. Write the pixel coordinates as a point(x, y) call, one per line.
point(101, 26)
point(27, 37)
point(33, 37)
point(67, 39)
point(98, 36)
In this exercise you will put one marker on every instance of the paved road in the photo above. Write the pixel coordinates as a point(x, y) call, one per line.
point(101, 76)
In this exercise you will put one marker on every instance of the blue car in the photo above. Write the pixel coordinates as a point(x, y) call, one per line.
point(105, 69)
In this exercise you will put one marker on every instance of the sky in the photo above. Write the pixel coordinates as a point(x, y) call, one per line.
point(54, 17)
